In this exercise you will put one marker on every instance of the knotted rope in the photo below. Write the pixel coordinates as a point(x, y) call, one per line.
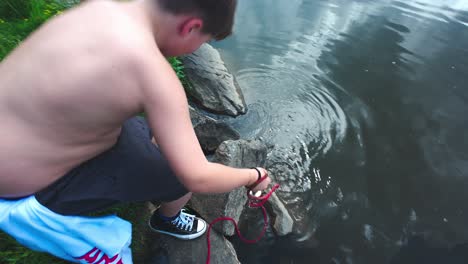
point(253, 202)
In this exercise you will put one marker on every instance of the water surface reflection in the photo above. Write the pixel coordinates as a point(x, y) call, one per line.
point(364, 102)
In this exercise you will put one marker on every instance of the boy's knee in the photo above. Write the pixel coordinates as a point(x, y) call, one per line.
point(176, 195)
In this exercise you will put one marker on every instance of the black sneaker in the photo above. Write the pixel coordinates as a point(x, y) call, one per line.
point(185, 226)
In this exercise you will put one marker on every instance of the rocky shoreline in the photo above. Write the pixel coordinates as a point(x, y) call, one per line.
point(215, 90)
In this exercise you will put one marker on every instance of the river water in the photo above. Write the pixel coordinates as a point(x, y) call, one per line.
point(365, 103)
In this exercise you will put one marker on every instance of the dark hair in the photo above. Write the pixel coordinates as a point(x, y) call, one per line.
point(217, 15)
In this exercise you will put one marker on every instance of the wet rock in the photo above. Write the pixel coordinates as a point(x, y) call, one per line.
point(283, 222)
point(197, 117)
point(210, 132)
point(213, 87)
point(242, 153)
point(238, 153)
point(216, 205)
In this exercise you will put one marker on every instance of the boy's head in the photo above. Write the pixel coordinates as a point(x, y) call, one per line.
point(198, 21)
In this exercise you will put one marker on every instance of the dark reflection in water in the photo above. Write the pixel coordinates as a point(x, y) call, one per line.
point(365, 103)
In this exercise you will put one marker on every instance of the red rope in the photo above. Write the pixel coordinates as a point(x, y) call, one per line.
point(254, 202)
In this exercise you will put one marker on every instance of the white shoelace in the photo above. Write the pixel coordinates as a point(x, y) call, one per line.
point(184, 221)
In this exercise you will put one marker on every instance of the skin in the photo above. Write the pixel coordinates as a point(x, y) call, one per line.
point(67, 89)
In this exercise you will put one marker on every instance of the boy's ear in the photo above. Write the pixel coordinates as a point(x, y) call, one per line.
point(190, 25)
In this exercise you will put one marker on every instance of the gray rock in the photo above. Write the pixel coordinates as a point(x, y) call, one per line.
point(210, 132)
point(212, 86)
point(196, 117)
point(212, 206)
point(166, 249)
point(242, 153)
point(239, 153)
point(283, 222)
point(175, 251)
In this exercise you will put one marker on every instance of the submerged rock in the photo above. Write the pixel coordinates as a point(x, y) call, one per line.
point(212, 86)
point(283, 222)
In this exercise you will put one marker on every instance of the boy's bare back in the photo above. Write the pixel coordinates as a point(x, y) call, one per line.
point(65, 92)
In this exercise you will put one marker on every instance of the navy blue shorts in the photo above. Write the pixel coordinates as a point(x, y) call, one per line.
point(133, 170)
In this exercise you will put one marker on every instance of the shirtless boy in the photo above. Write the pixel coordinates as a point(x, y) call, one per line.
point(70, 143)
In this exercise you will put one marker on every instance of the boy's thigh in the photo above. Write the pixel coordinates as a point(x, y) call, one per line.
point(133, 170)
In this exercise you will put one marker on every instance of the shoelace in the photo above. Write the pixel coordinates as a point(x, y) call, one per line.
point(254, 202)
point(184, 221)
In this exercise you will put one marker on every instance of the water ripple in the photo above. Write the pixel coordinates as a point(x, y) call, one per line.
point(431, 11)
point(299, 116)
point(349, 95)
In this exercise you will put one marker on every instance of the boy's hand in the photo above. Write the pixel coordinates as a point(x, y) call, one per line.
point(263, 184)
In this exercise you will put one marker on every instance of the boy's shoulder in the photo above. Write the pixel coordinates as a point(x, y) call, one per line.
point(120, 33)
point(121, 38)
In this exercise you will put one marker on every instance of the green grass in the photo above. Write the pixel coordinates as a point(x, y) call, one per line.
point(18, 18)
point(178, 67)
point(13, 253)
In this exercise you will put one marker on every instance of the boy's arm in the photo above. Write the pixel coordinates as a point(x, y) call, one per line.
point(166, 106)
